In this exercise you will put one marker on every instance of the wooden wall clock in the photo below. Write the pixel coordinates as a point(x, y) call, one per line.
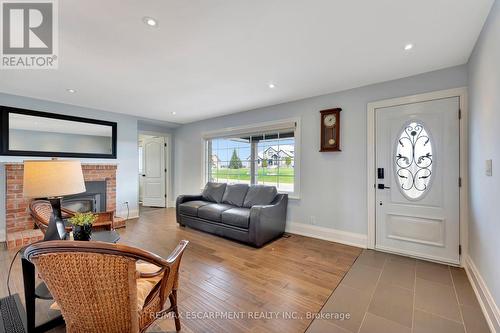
point(330, 130)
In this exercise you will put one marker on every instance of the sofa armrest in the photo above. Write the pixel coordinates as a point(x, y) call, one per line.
point(268, 221)
point(182, 199)
point(185, 198)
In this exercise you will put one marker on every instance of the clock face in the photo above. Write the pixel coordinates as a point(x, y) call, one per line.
point(330, 120)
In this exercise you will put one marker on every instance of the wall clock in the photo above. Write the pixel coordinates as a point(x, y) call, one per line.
point(330, 130)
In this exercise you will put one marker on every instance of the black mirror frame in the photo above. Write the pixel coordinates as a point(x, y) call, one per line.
point(4, 138)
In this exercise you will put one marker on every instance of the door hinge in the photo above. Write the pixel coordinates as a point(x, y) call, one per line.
point(459, 249)
point(459, 181)
point(165, 169)
point(459, 113)
point(165, 195)
point(165, 144)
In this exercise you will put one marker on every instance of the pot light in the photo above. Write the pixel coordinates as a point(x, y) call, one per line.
point(408, 47)
point(71, 91)
point(150, 21)
point(272, 85)
point(174, 113)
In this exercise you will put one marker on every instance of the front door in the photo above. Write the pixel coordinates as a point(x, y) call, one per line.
point(417, 185)
point(154, 189)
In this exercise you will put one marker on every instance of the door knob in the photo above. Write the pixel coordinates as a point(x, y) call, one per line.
point(382, 187)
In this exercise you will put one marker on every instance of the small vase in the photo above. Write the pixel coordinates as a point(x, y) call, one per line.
point(82, 232)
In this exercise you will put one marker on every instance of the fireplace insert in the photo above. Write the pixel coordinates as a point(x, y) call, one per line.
point(92, 200)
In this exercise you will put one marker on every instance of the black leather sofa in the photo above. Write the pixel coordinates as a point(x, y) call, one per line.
point(251, 214)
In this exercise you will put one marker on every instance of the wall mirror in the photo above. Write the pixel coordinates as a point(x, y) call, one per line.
point(34, 133)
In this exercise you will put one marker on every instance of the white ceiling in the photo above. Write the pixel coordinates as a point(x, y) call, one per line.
point(212, 57)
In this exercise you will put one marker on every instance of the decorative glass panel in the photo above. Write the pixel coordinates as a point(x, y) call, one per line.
point(414, 160)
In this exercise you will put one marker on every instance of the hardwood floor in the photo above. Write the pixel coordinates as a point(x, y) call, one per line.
point(230, 287)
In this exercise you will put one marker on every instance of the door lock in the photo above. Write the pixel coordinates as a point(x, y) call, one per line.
point(382, 187)
point(380, 173)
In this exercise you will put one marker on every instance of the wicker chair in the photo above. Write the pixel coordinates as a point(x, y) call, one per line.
point(95, 284)
point(41, 210)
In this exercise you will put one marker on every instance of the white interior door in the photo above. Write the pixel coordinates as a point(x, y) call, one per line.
point(141, 172)
point(418, 170)
point(154, 189)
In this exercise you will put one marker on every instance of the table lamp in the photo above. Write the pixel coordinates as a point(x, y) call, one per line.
point(53, 179)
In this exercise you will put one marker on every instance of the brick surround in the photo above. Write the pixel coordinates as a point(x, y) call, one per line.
point(17, 215)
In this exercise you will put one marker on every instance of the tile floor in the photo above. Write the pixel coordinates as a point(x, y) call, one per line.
point(385, 293)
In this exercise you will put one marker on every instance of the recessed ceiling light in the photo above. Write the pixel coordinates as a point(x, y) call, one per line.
point(174, 113)
point(408, 47)
point(150, 21)
point(272, 85)
point(71, 91)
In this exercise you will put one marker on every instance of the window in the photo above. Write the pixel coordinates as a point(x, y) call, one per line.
point(250, 156)
point(413, 160)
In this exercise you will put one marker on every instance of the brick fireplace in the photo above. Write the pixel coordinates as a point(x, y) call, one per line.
point(19, 224)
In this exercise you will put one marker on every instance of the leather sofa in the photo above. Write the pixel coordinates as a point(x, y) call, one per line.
point(250, 214)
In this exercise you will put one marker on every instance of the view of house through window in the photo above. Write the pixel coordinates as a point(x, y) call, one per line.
point(264, 158)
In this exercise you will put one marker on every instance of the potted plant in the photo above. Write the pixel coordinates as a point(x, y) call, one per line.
point(82, 225)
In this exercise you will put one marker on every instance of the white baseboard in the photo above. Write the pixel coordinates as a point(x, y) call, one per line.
point(333, 235)
point(488, 305)
point(170, 204)
point(133, 214)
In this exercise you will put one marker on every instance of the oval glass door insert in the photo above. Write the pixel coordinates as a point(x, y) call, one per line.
point(413, 160)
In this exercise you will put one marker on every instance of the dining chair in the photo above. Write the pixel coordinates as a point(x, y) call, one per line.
point(103, 287)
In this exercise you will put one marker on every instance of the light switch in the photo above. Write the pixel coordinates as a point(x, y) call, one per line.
point(489, 168)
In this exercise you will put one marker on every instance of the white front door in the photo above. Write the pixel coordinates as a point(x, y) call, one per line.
point(417, 185)
point(154, 189)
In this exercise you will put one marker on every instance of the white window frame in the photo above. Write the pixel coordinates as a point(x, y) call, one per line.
point(252, 129)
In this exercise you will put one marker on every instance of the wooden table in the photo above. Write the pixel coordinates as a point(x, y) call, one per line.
point(31, 293)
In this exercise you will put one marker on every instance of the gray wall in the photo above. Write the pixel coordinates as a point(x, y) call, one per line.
point(333, 185)
point(484, 130)
point(127, 179)
point(156, 126)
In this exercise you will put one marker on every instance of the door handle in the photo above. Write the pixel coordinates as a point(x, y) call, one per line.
point(144, 175)
point(382, 187)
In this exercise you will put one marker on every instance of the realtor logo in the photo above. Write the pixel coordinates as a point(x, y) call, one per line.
point(29, 34)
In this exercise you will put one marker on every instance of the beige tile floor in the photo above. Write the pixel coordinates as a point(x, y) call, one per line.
point(385, 293)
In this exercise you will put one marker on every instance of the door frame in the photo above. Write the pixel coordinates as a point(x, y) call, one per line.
point(461, 93)
point(168, 165)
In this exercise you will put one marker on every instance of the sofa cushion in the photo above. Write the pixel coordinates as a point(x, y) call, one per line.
point(191, 207)
point(235, 194)
point(259, 195)
point(238, 217)
point(213, 192)
point(213, 212)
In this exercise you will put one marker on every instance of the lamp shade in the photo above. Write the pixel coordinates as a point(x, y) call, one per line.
point(53, 178)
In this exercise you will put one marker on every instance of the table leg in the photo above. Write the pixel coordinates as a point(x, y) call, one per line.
point(29, 293)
